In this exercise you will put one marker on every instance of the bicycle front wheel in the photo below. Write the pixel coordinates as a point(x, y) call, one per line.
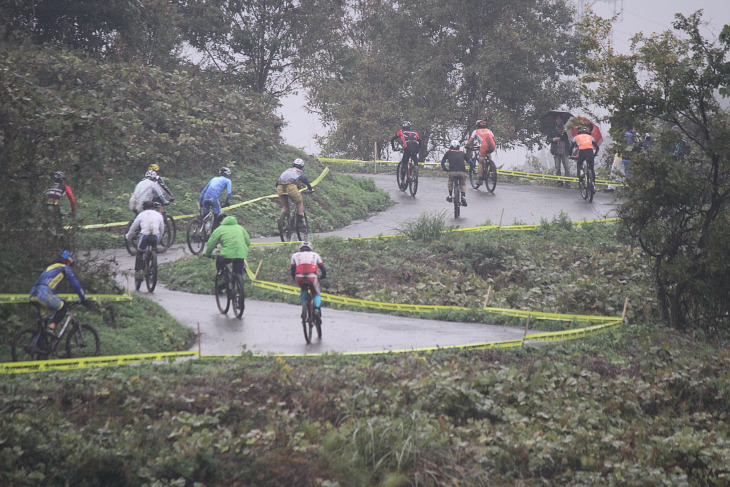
point(30, 344)
point(196, 235)
point(285, 226)
point(473, 178)
point(413, 183)
point(150, 275)
point(131, 245)
point(237, 296)
point(222, 295)
point(303, 232)
point(491, 177)
point(83, 341)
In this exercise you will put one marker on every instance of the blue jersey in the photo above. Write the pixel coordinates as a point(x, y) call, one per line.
point(54, 274)
point(214, 188)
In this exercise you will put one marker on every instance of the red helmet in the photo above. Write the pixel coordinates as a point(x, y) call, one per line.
point(481, 124)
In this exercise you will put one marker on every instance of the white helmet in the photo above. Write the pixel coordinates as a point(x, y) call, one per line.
point(306, 245)
point(151, 175)
point(298, 163)
point(454, 144)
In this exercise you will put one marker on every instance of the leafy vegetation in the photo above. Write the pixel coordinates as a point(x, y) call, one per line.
point(638, 407)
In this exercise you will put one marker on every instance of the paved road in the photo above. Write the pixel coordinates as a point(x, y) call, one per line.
point(275, 328)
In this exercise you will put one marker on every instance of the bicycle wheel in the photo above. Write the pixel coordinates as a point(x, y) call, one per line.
point(491, 177)
point(196, 235)
point(131, 245)
point(29, 345)
point(150, 274)
point(473, 178)
point(582, 185)
point(237, 296)
point(457, 200)
point(82, 341)
point(170, 233)
point(285, 226)
point(307, 320)
point(590, 184)
point(222, 294)
point(303, 232)
point(398, 177)
point(413, 182)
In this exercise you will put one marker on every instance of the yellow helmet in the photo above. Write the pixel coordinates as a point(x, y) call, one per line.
point(153, 167)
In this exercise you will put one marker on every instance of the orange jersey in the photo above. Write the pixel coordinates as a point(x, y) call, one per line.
point(486, 139)
point(584, 141)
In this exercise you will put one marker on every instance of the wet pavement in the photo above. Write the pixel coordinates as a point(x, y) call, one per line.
point(276, 327)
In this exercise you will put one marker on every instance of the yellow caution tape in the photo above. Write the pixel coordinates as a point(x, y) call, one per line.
point(23, 298)
point(90, 362)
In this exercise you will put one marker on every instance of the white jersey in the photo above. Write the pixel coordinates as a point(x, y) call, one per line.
point(149, 222)
point(306, 262)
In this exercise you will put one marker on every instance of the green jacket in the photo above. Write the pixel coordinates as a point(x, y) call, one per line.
point(234, 239)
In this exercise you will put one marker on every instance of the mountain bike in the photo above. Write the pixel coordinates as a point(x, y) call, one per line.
point(199, 229)
point(489, 173)
point(168, 237)
point(148, 273)
point(288, 222)
point(411, 177)
point(40, 344)
point(229, 290)
point(308, 320)
point(586, 182)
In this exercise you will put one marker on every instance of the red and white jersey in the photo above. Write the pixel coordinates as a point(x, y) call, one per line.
point(306, 262)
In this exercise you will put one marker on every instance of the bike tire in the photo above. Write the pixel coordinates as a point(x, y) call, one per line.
point(582, 185)
point(413, 183)
point(238, 298)
point(222, 294)
point(591, 183)
point(150, 275)
point(473, 178)
point(307, 320)
point(196, 235)
point(398, 177)
point(170, 233)
point(28, 345)
point(491, 178)
point(82, 341)
point(131, 245)
point(303, 233)
point(457, 201)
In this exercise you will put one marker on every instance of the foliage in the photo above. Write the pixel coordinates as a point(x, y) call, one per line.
point(639, 407)
point(442, 67)
point(426, 227)
point(677, 207)
point(589, 271)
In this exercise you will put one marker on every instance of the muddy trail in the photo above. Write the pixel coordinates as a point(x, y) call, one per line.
point(268, 327)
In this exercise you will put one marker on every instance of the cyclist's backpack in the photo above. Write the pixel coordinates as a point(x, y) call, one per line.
point(411, 143)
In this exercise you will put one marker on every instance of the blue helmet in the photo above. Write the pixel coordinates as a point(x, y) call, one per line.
point(66, 256)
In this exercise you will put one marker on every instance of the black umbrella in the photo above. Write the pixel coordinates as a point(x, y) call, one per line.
point(547, 122)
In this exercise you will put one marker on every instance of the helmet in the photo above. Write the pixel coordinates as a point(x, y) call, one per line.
point(66, 257)
point(481, 124)
point(225, 172)
point(298, 163)
point(156, 205)
point(406, 124)
point(305, 245)
point(454, 144)
point(59, 176)
point(150, 174)
point(146, 205)
point(153, 167)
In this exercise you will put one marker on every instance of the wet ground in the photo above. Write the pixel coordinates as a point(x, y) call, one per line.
point(276, 328)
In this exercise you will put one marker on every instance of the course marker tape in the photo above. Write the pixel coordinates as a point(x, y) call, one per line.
point(90, 362)
point(24, 298)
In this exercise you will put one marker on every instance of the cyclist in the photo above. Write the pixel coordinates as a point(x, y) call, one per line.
point(411, 143)
point(210, 196)
point(304, 270)
point(147, 190)
point(44, 294)
point(151, 226)
point(234, 241)
point(56, 191)
point(287, 187)
point(586, 144)
point(487, 146)
point(457, 170)
point(160, 181)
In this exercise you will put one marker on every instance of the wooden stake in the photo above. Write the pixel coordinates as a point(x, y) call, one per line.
point(626, 305)
point(256, 275)
point(486, 299)
point(499, 229)
point(527, 327)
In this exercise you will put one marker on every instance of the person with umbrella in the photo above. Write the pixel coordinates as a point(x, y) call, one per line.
point(559, 145)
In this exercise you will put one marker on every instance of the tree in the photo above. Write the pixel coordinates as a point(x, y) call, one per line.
point(443, 66)
point(678, 209)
